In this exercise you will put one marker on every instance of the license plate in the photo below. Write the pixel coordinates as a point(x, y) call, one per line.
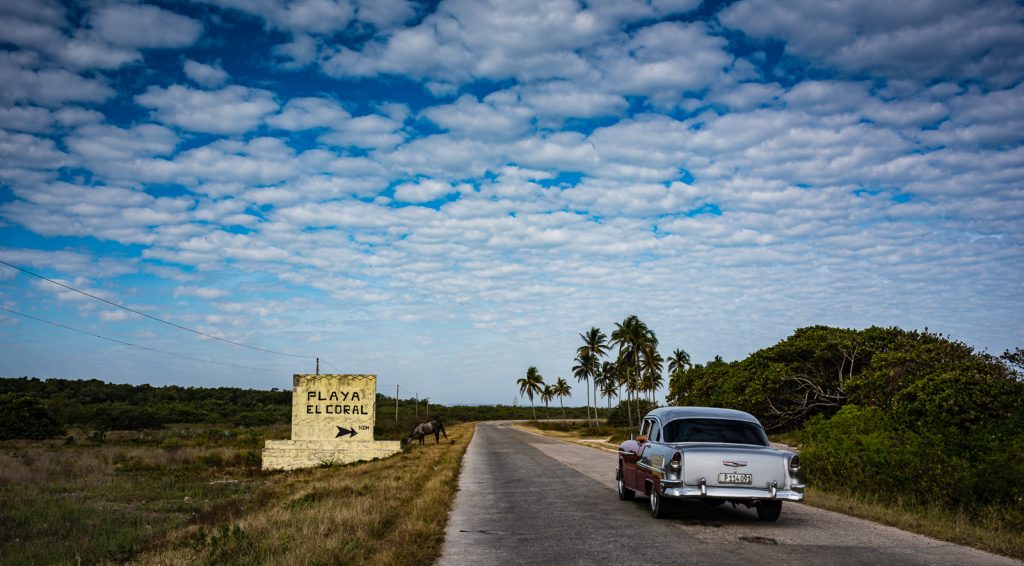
point(735, 478)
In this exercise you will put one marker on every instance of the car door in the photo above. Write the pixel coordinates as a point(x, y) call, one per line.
point(643, 441)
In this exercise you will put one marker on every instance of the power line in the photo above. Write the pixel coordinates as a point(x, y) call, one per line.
point(86, 332)
point(131, 310)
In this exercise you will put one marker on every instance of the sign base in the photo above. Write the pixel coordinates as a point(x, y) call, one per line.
point(295, 454)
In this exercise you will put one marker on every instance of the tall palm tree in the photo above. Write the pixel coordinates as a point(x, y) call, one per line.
point(562, 389)
point(610, 383)
point(594, 342)
point(652, 363)
point(530, 385)
point(634, 340)
point(546, 395)
point(584, 368)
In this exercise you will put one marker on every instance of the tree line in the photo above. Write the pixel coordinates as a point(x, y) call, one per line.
point(37, 408)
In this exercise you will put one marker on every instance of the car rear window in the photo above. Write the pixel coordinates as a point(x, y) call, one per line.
point(714, 430)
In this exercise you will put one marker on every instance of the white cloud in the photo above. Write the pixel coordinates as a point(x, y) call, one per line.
point(384, 14)
point(666, 59)
point(205, 75)
point(297, 16)
point(104, 146)
point(499, 117)
point(231, 110)
point(72, 116)
point(309, 113)
point(423, 191)
point(372, 130)
point(922, 40)
point(110, 213)
point(29, 151)
point(200, 292)
point(48, 87)
point(144, 27)
point(26, 119)
point(564, 99)
point(297, 53)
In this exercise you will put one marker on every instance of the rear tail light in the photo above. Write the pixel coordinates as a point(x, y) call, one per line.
point(794, 464)
point(675, 466)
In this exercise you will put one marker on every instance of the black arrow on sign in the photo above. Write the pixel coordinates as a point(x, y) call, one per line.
point(342, 431)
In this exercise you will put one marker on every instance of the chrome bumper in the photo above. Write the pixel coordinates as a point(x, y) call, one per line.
point(680, 490)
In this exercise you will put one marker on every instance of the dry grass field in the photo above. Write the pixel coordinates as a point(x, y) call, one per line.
point(197, 495)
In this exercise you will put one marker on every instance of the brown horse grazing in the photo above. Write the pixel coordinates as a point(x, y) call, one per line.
point(433, 426)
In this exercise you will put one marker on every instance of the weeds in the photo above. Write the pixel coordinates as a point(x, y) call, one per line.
point(94, 502)
point(389, 511)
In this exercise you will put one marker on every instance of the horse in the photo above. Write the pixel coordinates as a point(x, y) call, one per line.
point(433, 426)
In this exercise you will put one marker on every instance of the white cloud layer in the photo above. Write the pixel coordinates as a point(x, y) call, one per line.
point(445, 195)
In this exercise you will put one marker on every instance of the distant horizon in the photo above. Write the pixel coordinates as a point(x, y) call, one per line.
point(447, 193)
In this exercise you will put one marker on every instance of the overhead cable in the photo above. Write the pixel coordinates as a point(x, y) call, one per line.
point(131, 310)
point(86, 332)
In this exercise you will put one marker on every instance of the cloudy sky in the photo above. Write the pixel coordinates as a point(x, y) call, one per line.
point(445, 194)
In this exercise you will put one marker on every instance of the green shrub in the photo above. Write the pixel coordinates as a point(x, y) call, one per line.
point(25, 417)
point(866, 451)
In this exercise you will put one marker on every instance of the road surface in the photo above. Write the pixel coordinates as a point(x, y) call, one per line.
point(528, 499)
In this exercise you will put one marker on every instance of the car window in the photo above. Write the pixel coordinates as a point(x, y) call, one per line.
point(715, 430)
point(655, 432)
point(645, 428)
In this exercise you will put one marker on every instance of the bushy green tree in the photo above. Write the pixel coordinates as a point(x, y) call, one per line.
point(22, 416)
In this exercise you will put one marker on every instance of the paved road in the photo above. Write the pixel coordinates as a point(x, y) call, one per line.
point(527, 499)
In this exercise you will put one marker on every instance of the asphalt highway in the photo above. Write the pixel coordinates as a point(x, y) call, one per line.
point(528, 499)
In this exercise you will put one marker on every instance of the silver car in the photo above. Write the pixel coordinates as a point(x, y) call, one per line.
point(714, 455)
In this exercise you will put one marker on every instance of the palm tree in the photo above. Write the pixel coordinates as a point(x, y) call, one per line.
point(546, 395)
point(595, 343)
point(629, 335)
point(652, 375)
point(531, 384)
point(678, 361)
point(583, 369)
point(609, 382)
point(562, 389)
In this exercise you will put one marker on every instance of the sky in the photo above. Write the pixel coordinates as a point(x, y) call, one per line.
point(446, 193)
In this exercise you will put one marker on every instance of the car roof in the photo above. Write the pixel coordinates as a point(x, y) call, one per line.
point(665, 414)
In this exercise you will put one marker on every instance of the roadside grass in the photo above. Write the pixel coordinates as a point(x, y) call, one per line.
point(390, 511)
point(579, 429)
point(984, 529)
point(103, 500)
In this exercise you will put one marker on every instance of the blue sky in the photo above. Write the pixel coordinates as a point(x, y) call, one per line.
point(447, 193)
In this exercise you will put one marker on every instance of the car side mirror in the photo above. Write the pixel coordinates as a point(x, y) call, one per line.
point(641, 439)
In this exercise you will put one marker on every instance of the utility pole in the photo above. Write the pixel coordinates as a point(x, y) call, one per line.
point(396, 403)
point(318, 366)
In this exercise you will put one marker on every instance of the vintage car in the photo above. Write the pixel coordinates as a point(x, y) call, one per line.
point(712, 455)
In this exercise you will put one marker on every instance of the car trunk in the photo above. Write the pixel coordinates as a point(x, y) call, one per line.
point(708, 462)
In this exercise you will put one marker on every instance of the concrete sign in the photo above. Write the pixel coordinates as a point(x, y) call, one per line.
point(333, 407)
point(332, 421)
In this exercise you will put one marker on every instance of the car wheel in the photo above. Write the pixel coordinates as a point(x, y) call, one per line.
point(658, 504)
point(625, 493)
point(769, 510)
